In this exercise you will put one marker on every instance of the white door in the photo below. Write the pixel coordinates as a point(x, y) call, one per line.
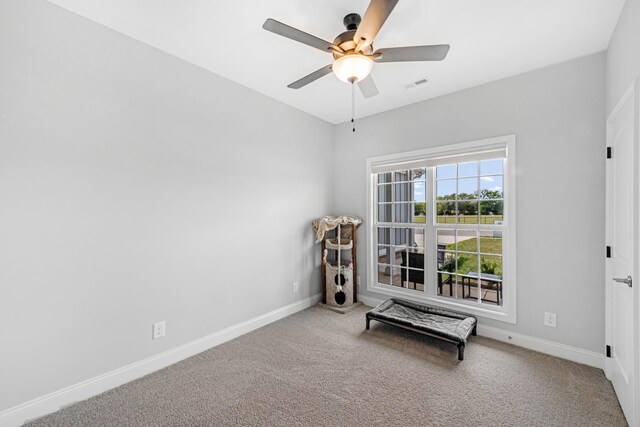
point(622, 268)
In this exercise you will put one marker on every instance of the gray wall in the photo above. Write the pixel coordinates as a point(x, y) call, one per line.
point(557, 116)
point(623, 55)
point(134, 188)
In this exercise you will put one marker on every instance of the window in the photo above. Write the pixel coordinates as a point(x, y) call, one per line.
point(441, 226)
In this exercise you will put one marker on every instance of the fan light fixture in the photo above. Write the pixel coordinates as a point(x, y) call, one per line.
point(353, 51)
point(352, 68)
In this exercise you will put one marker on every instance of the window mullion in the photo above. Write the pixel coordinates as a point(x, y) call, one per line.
point(393, 198)
point(430, 246)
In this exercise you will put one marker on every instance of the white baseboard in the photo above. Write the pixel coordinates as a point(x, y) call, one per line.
point(52, 402)
point(371, 302)
point(551, 348)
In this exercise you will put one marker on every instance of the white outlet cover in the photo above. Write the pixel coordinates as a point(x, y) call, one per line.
point(550, 319)
point(158, 330)
point(295, 286)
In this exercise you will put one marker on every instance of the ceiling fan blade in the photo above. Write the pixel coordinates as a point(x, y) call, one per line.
point(297, 35)
point(311, 77)
point(375, 16)
point(436, 52)
point(368, 87)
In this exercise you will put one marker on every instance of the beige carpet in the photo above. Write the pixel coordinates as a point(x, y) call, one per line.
point(320, 368)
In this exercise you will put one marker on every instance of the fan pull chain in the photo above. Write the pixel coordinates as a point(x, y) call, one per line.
point(353, 105)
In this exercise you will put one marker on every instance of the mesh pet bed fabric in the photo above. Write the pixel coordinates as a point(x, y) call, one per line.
point(447, 324)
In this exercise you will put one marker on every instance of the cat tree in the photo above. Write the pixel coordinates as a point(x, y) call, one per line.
point(339, 261)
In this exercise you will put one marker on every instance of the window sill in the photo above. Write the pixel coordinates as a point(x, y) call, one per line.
point(498, 313)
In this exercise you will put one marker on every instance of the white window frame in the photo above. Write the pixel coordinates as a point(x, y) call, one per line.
point(506, 312)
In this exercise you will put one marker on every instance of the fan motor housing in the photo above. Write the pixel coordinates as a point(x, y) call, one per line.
point(346, 43)
point(352, 21)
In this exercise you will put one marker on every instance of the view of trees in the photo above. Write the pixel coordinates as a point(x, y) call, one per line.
point(468, 204)
point(420, 209)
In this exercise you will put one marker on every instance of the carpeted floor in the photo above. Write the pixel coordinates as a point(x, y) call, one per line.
point(320, 368)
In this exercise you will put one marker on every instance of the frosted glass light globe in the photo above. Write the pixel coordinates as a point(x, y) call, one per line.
point(352, 68)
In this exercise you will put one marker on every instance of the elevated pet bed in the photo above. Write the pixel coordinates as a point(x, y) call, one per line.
point(436, 322)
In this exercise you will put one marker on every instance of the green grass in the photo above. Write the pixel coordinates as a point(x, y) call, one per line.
point(491, 245)
point(490, 264)
point(468, 219)
point(463, 219)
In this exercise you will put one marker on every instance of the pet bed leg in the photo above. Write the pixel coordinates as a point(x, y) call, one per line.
point(461, 351)
point(368, 320)
point(474, 332)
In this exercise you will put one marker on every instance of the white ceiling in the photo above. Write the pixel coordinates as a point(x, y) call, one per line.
point(489, 40)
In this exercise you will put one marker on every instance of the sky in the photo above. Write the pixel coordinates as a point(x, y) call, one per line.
point(465, 174)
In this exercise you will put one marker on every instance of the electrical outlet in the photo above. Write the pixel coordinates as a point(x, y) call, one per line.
point(158, 330)
point(550, 319)
point(295, 286)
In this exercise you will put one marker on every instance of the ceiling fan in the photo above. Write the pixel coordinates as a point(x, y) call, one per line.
point(352, 50)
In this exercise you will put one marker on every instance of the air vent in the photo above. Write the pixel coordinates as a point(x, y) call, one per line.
point(417, 83)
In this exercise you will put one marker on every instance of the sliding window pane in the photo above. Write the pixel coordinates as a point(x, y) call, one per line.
point(468, 189)
point(456, 284)
point(468, 169)
point(491, 187)
point(416, 259)
point(446, 212)
point(384, 254)
point(418, 174)
point(401, 192)
point(419, 213)
point(384, 177)
point(400, 237)
point(466, 241)
point(446, 239)
point(384, 212)
point(491, 212)
point(446, 261)
point(384, 274)
point(467, 264)
point(491, 266)
point(418, 193)
point(468, 212)
point(469, 287)
point(384, 236)
point(384, 193)
point(446, 171)
point(398, 256)
point(491, 279)
point(491, 241)
point(446, 284)
point(396, 277)
point(401, 176)
point(401, 211)
point(415, 238)
point(491, 167)
point(446, 189)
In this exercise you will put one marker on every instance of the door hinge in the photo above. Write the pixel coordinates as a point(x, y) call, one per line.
point(608, 251)
point(608, 152)
point(608, 351)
